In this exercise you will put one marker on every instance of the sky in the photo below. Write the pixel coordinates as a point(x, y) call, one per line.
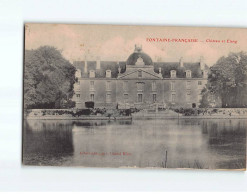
point(116, 43)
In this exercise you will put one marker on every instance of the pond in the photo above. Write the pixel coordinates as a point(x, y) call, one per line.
point(168, 143)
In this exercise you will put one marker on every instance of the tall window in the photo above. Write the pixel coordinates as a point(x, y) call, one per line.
point(92, 97)
point(199, 82)
point(126, 97)
point(139, 97)
point(108, 98)
point(188, 84)
point(77, 95)
point(173, 86)
point(125, 85)
point(153, 86)
point(188, 96)
point(139, 73)
point(154, 98)
point(173, 97)
point(108, 85)
point(91, 85)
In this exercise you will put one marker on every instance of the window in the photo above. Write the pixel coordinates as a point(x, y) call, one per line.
point(77, 95)
point(173, 97)
point(108, 98)
point(126, 97)
point(140, 86)
point(153, 86)
point(139, 97)
point(91, 85)
point(188, 96)
point(139, 73)
point(188, 84)
point(154, 97)
point(172, 86)
point(108, 85)
point(199, 82)
point(125, 85)
point(92, 97)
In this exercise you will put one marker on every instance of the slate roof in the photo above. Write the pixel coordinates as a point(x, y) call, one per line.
point(134, 56)
point(166, 67)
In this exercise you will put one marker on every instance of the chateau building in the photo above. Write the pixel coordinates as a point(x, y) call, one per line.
point(139, 82)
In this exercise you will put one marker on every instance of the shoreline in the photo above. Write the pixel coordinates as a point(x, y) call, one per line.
point(190, 117)
point(70, 114)
point(131, 118)
point(77, 118)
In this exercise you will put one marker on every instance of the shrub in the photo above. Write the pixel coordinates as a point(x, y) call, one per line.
point(89, 104)
point(69, 104)
point(83, 112)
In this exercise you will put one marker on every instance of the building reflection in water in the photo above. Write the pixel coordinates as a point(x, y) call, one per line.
point(192, 143)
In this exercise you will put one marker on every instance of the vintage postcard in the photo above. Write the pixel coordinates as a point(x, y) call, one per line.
point(135, 96)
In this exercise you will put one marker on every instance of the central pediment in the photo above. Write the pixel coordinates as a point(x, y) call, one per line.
point(140, 73)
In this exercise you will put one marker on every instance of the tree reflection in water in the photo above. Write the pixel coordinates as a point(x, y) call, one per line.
point(188, 143)
point(47, 142)
point(227, 139)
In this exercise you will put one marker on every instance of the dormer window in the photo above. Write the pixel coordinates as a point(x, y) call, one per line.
point(108, 73)
point(92, 74)
point(78, 73)
point(188, 73)
point(173, 74)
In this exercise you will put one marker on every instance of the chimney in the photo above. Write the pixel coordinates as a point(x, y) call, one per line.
point(119, 68)
point(202, 64)
point(181, 62)
point(85, 66)
point(205, 74)
point(160, 74)
point(98, 64)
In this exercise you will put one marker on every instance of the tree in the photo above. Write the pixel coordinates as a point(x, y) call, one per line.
point(228, 78)
point(48, 78)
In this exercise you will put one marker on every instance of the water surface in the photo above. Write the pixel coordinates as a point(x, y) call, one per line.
point(187, 143)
